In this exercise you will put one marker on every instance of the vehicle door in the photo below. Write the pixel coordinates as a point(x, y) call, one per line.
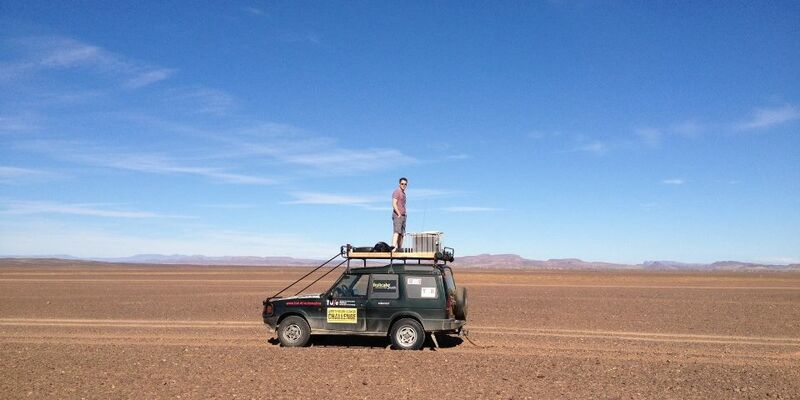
point(384, 301)
point(345, 304)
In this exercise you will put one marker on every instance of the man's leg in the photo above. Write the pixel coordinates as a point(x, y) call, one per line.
point(395, 238)
point(401, 233)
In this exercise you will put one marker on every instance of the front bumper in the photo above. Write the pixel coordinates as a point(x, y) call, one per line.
point(271, 322)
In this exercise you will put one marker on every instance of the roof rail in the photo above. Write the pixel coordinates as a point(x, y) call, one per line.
point(349, 252)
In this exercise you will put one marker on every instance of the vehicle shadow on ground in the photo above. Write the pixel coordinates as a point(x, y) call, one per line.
point(374, 342)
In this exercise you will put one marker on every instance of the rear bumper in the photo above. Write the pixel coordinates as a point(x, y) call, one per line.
point(443, 325)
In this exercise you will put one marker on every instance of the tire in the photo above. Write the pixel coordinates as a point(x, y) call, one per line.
point(407, 334)
point(294, 332)
point(460, 310)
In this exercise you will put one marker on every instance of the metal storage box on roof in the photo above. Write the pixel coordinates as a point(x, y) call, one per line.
point(426, 242)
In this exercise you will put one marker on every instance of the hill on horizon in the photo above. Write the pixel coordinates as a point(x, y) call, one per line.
point(490, 261)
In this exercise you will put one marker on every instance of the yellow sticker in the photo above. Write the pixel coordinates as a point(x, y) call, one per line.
point(342, 315)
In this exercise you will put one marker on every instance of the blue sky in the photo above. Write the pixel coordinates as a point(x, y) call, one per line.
point(607, 131)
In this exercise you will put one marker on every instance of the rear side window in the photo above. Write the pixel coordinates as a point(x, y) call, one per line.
point(421, 287)
point(383, 286)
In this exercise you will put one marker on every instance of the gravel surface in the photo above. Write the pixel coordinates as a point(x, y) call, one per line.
point(81, 330)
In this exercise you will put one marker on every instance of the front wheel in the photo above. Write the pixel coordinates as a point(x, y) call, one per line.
point(407, 334)
point(294, 332)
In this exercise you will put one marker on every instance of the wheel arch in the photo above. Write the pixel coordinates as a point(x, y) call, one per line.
point(404, 314)
point(292, 314)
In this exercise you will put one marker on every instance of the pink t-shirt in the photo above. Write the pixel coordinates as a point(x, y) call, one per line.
point(400, 195)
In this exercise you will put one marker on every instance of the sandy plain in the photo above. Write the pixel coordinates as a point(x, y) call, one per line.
point(84, 330)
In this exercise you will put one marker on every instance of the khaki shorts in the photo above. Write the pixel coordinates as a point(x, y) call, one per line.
point(399, 222)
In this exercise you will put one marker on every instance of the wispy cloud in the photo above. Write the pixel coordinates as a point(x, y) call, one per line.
point(148, 163)
point(230, 206)
point(254, 11)
point(17, 124)
point(469, 209)
point(573, 143)
point(83, 209)
point(53, 53)
point(539, 135)
point(423, 193)
point(291, 145)
point(346, 160)
point(23, 175)
point(760, 119)
point(763, 118)
point(651, 137)
point(371, 202)
point(781, 260)
point(43, 237)
point(149, 77)
point(595, 147)
point(332, 199)
point(201, 100)
point(673, 181)
point(690, 128)
point(158, 164)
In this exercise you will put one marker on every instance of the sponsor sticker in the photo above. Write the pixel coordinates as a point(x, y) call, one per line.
point(340, 302)
point(414, 281)
point(303, 303)
point(341, 315)
point(428, 293)
point(384, 286)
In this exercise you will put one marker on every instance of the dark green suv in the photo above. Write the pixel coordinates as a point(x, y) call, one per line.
point(404, 300)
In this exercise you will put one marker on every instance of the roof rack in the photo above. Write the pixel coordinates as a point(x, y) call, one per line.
point(365, 253)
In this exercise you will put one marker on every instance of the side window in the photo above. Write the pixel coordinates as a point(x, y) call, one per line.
point(361, 286)
point(383, 286)
point(351, 286)
point(422, 287)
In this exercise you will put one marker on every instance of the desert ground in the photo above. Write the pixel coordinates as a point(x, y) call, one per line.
point(84, 330)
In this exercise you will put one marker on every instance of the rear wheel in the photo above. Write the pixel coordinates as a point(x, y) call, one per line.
point(407, 334)
point(294, 332)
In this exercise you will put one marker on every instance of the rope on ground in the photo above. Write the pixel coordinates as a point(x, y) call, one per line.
point(466, 336)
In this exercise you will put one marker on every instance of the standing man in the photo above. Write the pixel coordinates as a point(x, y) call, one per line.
point(399, 214)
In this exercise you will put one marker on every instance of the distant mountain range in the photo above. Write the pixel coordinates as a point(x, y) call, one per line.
point(515, 261)
point(479, 261)
point(205, 260)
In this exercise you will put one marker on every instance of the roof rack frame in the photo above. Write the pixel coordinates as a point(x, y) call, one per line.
point(446, 255)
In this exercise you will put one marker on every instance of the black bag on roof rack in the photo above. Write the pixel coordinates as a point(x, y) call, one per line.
point(382, 247)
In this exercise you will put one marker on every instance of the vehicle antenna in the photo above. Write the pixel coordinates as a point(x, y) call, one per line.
point(424, 212)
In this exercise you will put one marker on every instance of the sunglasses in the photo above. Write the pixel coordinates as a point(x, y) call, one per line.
point(404, 184)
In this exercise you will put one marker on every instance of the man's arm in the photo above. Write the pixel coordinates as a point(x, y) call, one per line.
point(394, 206)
